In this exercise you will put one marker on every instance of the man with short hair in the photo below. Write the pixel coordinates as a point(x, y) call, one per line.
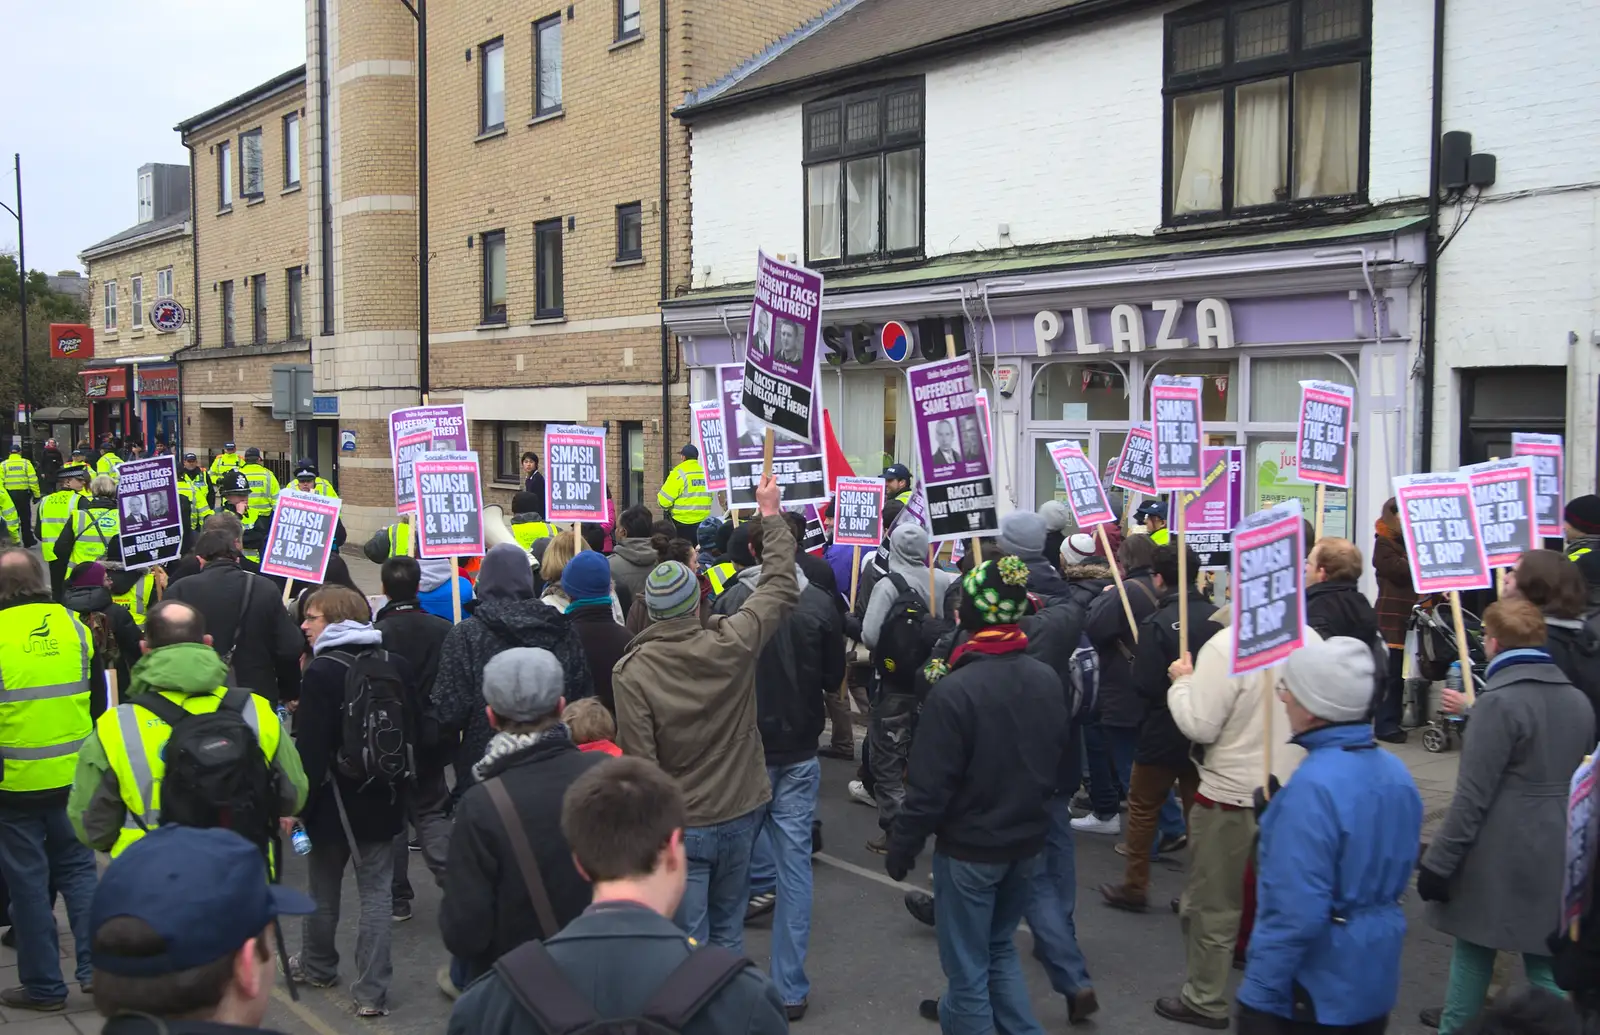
point(624, 820)
point(238, 499)
point(264, 487)
point(632, 558)
point(194, 496)
point(897, 488)
point(22, 485)
point(1335, 605)
point(56, 510)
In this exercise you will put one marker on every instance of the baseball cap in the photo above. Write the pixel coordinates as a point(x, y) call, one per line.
point(900, 471)
point(190, 456)
point(228, 446)
point(252, 453)
point(1152, 508)
point(689, 452)
point(203, 890)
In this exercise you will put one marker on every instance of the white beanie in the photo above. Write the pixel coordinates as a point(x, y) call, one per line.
point(1077, 548)
point(1332, 679)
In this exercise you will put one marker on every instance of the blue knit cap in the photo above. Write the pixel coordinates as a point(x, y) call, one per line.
point(586, 576)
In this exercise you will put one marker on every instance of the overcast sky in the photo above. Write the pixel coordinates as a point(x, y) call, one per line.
point(94, 88)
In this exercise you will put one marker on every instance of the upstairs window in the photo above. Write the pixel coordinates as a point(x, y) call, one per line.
point(547, 66)
point(1266, 106)
point(629, 20)
point(110, 305)
point(224, 176)
point(494, 276)
point(147, 197)
point(492, 86)
point(863, 172)
point(291, 150)
point(252, 176)
point(136, 301)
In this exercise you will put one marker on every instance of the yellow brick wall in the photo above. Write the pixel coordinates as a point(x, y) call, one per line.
point(242, 381)
point(176, 254)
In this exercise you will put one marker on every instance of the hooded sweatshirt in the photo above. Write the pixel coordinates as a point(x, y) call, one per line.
point(908, 558)
point(433, 591)
point(632, 560)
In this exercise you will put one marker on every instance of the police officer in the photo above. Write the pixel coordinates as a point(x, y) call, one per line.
point(238, 495)
point(306, 479)
point(264, 487)
point(45, 656)
point(22, 485)
point(94, 527)
point(389, 541)
point(684, 497)
point(194, 496)
point(224, 462)
point(1152, 513)
point(109, 460)
point(56, 509)
point(527, 522)
point(897, 483)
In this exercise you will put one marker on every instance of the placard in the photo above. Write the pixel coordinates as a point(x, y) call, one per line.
point(1136, 466)
point(1440, 524)
point(446, 424)
point(150, 529)
point(815, 539)
point(915, 509)
point(574, 473)
point(1176, 433)
point(1583, 823)
point(858, 511)
point(801, 468)
point(706, 420)
point(449, 505)
point(1549, 478)
point(301, 539)
point(780, 359)
point(1503, 493)
point(1269, 587)
point(406, 450)
point(955, 466)
point(1085, 495)
point(1211, 512)
point(1322, 441)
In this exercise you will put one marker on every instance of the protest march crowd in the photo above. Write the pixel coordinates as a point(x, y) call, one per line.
point(602, 731)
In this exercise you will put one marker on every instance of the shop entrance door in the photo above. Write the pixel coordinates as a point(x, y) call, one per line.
point(1100, 446)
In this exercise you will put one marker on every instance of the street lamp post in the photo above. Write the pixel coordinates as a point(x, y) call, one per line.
point(22, 297)
point(419, 11)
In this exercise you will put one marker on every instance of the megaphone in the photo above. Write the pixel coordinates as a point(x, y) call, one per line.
point(496, 529)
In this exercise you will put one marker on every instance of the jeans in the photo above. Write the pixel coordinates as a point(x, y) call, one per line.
point(1119, 744)
point(319, 957)
point(39, 851)
point(718, 890)
point(425, 808)
point(1471, 968)
point(1052, 899)
point(976, 909)
point(889, 730)
point(781, 862)
point(1388, 711)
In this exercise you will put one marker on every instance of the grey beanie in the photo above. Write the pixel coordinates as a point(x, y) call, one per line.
point(1057, 518)
point(1332, 679)
point(523, 684)
point(670, 590)
point(1022, 534)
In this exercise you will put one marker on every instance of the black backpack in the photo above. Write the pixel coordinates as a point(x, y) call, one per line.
point(906, 638)
point(377, 721)
point(545, 991)
point(215, 774)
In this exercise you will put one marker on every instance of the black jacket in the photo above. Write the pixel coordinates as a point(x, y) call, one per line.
point(140, 1024)
point(604, 642)
point(985, 759)
point(1053, 636)
point(1160, 741)
point(265, 642)
point(125, 637)
point(418, 636)
point(803, 661)
point(1107, 626)
point(820, 572)
point(486, 911)
point(617, 954)
point(1341, 609)
point(1575, 649)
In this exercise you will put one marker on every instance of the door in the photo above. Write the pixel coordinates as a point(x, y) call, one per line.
point(325, 450)
point(1496, 401)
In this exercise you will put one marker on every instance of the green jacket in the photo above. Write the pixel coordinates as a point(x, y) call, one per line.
point(95, 805)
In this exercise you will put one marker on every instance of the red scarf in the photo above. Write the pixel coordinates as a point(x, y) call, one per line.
point(995, 639)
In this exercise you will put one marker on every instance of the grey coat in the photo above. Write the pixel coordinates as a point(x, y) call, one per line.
point(1502, 845)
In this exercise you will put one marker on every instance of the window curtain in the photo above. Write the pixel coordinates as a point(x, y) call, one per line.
point(1260, 133)
point(822, 199)
point(863, 179)
point(1275, 384)
point(1197, 153)
point(856, 410)
point(905, 199)
point(1327, 143)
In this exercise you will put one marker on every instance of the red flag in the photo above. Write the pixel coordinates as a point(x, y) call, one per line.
point(834, 456)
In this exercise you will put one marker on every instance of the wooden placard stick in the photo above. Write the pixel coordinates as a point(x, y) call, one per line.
point(1322, 502)
point(1462, 651)
point(455, 590)
point(1116, 574)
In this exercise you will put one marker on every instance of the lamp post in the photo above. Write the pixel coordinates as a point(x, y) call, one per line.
point(419, 11)
point(22, 296)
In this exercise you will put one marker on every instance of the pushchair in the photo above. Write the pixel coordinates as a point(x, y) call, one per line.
point(1434, 627)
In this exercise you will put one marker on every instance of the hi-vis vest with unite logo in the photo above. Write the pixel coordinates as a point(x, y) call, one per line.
point(44, 695)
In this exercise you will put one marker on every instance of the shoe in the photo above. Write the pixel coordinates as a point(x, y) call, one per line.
point(796, 1011)
point(1081, 1004)
point(1238, 963)
point(447, 986)
point(1177, 904)
point(816, 836)
point(401, 911)
point(1173, 1008)
point(1081, 802)
point(1430, 1015)
point(414, 845)
point(760, 905)
point(298, 974)
point(1092, 824)
point(86, 987)
point(371, 1011)
point(1118, 896)
point(19, 999)
point(858, 793)
point(1168, 845)
point(844, 754)
point(1397, 737)
point(929, 1009)
point(920, 905)
point(879, 844)
point(9, 939)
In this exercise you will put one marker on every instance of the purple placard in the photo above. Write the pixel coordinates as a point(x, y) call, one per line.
point(780, 361)
point(1211, 512)
point(447, 424)
point(407, 448)
point(800, 467)
point(150, 527)
point(955, 464)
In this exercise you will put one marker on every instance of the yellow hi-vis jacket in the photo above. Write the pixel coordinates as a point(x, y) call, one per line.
point(44, 703)
point(684, 495)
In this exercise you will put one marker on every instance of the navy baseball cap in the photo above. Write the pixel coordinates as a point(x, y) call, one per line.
point(689, 452)
point(228, 446)
point(190, 456)
point(1152, 508)
point(204, 891)
point(900, 471)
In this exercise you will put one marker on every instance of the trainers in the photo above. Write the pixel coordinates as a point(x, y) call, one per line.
point(1092, 824)
point(795, 1011)
point(19, 999)
point(414, 845)
point(879, 844)
point(298, 973)
point(760, 905)
point(858, 793)
point(400, 911)
point(1176, 843)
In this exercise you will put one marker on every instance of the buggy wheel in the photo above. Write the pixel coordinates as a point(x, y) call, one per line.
point(1435, 739)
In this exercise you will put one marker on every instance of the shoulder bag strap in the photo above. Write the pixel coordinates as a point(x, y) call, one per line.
point(162, 708)
point(537, 982)
point(1143, 588)
point(239, 627)
point(693, 984)
point(523, 850)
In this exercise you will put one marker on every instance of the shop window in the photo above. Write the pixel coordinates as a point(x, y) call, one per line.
point(1266, 105)
point(547, 66)
point(863, 175)
point(1219, 396)
point(1273, 478)
point(1275, 384)
point(492, 86)
point(633, 465)
point(867, 409)
point(1080, 392)
point(510, 442)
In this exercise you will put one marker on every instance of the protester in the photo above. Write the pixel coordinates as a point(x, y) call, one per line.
point(50, 463)
point(351, 819)
point(44, 717)
point(683, 498)
point(1058, 525)
point(1493, 872)
point(1396, 598)
point(189, 564)
point(182, 927)
point(1553, 584)
point(669, 547)
point(684, 685)
point(983, 766)
point(1337, 849)
point(627, 824)
point(586, 582)
point(1152, 515)
point(1023, 535)
point(816, 569)
point(115, 634)
point(557, 555)
point(1581, 525)
point(858, 673)
point(1529, 1011)
point(592, 726)
point(433, 589)
point(632, 557)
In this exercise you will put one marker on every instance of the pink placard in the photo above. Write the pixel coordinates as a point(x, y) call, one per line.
point(1322, 439)
point(1085, 495)
point(858, 512)
point(449, 505)
point(1440, 525)
point(1176, 433)
point(301, 540)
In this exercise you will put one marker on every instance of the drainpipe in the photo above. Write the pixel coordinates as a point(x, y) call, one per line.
point(1430, 288)
point(664, 223)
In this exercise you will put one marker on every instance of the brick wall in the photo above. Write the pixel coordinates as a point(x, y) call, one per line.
point(177, 255)
point(221, 401)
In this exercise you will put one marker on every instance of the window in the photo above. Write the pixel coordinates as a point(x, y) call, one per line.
point(1265, 105)
point(291, 150)
point(863, 169)
point(258, 309)
point(147, 197)
point(492, 86)
point(111, 305)
point(510, 442)
point(547, 259)
point(136, 301)
point(164, 283)
point(224, 176)
point(494, 277)
point(252, 177)
point(633, 463)
point(629, 22)
point(227, 313)
point(291, 294)
point(547, 66)
point(630, 232)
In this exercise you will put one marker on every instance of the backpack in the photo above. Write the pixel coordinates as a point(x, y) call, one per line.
point(904, 642)
point(537, 981)
point(377, 725)
point(1084, 671)
point(216, 775)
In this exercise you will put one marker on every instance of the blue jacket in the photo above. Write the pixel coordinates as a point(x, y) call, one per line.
point(436, 601)
point(1338, 847)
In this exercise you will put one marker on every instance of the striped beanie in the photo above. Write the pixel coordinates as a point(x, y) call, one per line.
point(671, 590)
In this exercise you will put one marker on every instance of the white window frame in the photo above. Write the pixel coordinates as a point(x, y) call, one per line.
point(225, 176)
point(109, 304)
point(147, 197)
point(136, 301)
point(164, 283)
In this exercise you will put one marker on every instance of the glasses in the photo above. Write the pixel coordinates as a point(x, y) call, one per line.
point(312, 617)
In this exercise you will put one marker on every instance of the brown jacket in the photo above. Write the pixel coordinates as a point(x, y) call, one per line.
point(685, 695)
point(1396, 595)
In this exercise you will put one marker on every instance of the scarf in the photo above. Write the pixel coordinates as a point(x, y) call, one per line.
point(503, 745)
point(993, 641)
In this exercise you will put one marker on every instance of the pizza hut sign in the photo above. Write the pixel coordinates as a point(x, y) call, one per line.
point(71, 341)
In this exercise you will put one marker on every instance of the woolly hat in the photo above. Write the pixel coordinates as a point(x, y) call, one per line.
point(586, 576)
point(1332, 678)
point(1583, 513)
point(523, 684)
point(1077, 548)
point(994, 593)
point(708, 533)
point(91, 574)
point(670, 590)
point(1057, 518)
point(1022, 533)
point(505, 574)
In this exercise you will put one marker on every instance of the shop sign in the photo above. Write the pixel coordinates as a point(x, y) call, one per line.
point(1211, 324)
point(895, 341)
point(71, 341)
point(167, 314)
point(157, 383)
point(105, 384)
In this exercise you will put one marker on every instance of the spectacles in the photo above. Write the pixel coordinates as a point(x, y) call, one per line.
point(310, 617)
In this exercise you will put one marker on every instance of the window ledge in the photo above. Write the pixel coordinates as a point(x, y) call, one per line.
point(499, 325)
point(293, 188)
point(549, 116)
point(258, 199)
point(625, 263)
point(543, 321)
point(489, 134)
point(224, 210)
point(510, 486)
point(627, 41)
point(137, 332)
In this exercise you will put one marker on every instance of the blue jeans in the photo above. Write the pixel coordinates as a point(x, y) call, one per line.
point(38, 851)
point(1053, 896)
point(976, 909)
point(781, 862)
point(714, 901)
point(1117, 746)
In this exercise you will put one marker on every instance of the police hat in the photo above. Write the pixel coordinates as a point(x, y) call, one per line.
point(234, 483)
point(252, 453)
point(897, 471)
point(189, 456)
point(1152, 508)
point(227, 447)
point(73, 471)
point(304, 469)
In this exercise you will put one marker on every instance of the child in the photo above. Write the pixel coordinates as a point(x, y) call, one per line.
point(592, 726)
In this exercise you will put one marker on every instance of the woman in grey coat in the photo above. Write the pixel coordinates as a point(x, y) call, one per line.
point(1493, 874)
